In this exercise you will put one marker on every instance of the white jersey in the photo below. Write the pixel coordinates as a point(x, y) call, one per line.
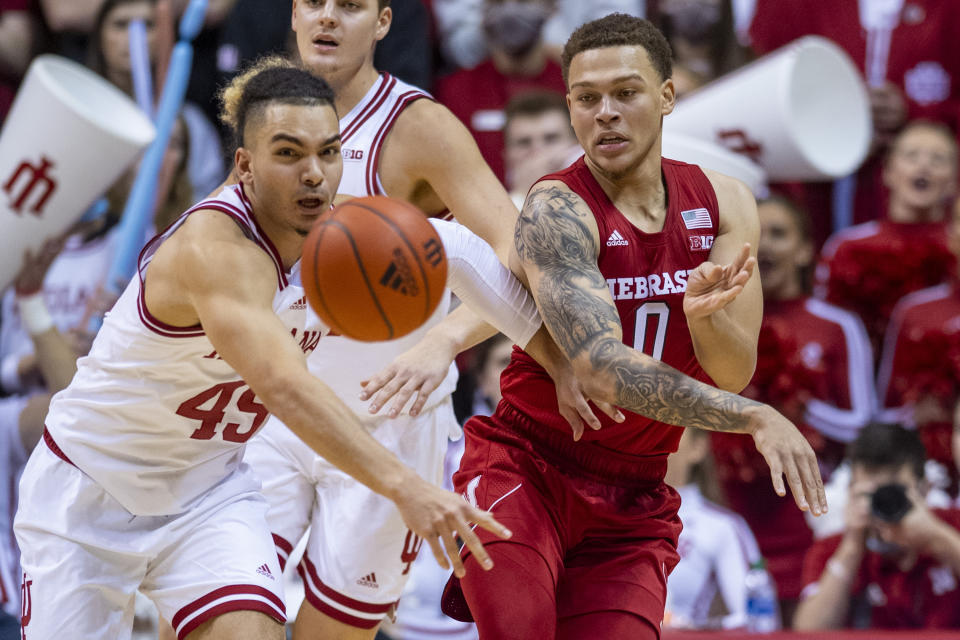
point(716, 549)
point(343, 363)
point(153, 414)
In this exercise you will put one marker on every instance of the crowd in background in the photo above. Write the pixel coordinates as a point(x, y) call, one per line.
point(860, 276)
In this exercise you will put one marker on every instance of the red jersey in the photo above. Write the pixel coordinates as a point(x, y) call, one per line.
point(869, 267)
point(478, 97)
point(814, 365)
point(647, 276)
point(921, 360)
point(925, 597)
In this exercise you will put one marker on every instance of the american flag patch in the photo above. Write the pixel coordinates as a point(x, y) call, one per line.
point(696, 218)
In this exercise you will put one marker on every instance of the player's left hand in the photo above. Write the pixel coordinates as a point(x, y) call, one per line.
point(711, 287)
point(420, 370)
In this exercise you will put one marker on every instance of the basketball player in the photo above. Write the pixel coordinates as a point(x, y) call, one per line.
point(399, 142)
point(624, 253)
point(139, 483)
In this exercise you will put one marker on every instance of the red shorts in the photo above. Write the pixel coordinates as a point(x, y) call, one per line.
point(603, 523)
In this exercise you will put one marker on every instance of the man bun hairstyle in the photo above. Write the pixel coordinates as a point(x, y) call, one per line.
point(617, 30)
point(269, 80)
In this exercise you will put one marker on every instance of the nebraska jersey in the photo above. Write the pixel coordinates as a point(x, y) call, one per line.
point(344, 363)
point(153, 414)
point(647, 276)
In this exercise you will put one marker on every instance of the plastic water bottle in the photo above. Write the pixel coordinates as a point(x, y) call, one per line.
point(763, 612)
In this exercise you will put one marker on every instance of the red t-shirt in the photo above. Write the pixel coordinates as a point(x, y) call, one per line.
point(926, 597)
point(869, 267)
point(814, 365)
point(478, 97)
point(647, 276)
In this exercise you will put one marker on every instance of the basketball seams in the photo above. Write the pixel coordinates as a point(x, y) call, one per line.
point(428, 307)
point(363, 271)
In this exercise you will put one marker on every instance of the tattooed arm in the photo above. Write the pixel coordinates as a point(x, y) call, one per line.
point(557, 244)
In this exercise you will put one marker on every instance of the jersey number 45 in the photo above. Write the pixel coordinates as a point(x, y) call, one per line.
point(212, 419)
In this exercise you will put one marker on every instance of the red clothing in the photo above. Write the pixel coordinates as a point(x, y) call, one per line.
point(921, 359)
point(8, 86)
point(478, 97)
point(814, 365)
point(920, 56)
point(596, 512)
point(647, 275)
point(869, 267)
point(926, 597)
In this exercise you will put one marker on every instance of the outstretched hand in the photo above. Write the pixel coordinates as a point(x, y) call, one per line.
point(711, 287)
point(439, 517)
point(788, 454)
point(419, 370)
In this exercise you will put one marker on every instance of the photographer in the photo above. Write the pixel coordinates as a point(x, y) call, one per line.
point(897, 563)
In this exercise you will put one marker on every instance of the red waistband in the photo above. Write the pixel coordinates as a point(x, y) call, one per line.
point(587, 459)
point(51, 443)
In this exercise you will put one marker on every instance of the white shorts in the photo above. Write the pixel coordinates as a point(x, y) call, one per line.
point(359, 552)
point(84, 556)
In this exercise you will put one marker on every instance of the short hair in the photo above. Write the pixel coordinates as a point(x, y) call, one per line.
point(382, 4)
point(534, 103)
point(930, 125)
point(797, 213)
point(888, 447)
point(270, 80)
point(617, 30)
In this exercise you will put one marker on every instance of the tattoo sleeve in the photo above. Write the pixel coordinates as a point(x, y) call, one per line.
point(559, 251)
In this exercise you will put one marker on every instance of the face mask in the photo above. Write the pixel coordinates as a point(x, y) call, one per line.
point(694, 21)
point(515, 27)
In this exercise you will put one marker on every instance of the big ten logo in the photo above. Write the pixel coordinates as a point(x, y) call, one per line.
point(352, 154)
point(701, 243)
point(30, 180)
point(411, 547)
point(738, 141)
point(433, 251)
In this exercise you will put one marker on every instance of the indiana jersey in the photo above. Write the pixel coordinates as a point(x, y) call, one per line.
point(647, 277)
point(344, 363)
point(153, 414)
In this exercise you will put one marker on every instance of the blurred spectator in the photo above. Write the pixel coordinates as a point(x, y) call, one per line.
point(460, 25)
point(813, 364)
point(704, 41)
point(478, 389)
point(707, 588)
point(538, 140)
point(909, 54)
point(869, 267)
point(110, 57)
point(897, 563)
point(919, 376)
point(518, 62)
point(17, 40)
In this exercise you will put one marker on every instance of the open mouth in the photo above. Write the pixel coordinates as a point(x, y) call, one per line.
point(920, 183)
point(610, 138)
point(310, 203)
point(325, 41)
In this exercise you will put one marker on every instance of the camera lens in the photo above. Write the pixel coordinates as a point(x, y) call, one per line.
point(890, 502)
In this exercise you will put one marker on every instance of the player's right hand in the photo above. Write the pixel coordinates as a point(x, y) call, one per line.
point(439, 516)
point(789, 454)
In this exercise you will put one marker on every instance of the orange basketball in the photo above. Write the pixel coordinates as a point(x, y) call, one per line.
point(374, 268)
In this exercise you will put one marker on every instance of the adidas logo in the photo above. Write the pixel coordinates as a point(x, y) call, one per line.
point(616, 240)
point(369, 580)
point(399, 277)
point(264, 570)
point(300, 304)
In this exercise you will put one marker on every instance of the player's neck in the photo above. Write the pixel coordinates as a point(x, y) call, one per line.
point(349, 87)
point(639, 192)
point(285, 239)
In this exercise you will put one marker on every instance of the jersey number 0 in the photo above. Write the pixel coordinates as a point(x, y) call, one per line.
point(662, 313)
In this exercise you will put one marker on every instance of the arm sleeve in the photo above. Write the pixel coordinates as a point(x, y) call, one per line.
point(478, 278)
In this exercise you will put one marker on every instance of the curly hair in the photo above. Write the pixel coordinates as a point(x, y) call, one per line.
point(270, 79)
point(616, 30)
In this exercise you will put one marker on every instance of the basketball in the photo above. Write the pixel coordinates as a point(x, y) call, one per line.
point(374, 268)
